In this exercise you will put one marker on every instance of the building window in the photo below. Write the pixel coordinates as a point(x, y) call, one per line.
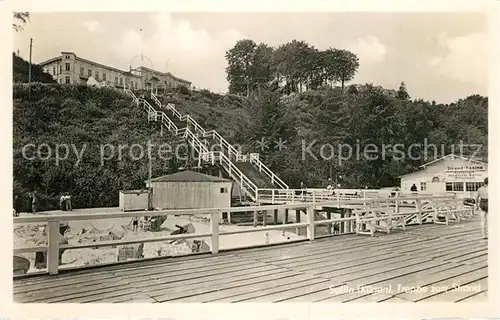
point(67, 79)
point(54, 70)
point(90, 73)
point(67, 66)
point(223, 190)
point(121, 81)
point(97, 75)
point(454, 186)
point(473, 186)
point(60, 69)
point(116, 79)
point(435, 179)
point(104, 76)
point(423, 186)
point(60, 80)
point(82, 71)
point(68, 57)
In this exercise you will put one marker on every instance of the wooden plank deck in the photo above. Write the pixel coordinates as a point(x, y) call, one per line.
point(434, 259)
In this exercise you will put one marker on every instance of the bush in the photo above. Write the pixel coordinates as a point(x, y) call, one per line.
point(78, 116)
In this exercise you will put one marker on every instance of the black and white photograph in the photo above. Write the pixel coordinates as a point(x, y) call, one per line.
point(240, 157)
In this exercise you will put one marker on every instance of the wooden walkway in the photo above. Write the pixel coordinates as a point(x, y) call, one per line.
point(434, 259)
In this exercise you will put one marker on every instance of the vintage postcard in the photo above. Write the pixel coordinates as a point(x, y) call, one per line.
point(307, 159)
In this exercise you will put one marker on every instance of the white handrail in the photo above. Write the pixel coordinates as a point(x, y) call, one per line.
point(274, 178)
point(203, 151)
point(232, 151)
point(234, 172)
point(53, 247)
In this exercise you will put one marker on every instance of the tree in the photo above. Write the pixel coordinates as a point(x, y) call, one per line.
point(20, 19)
point(344, 66)
point(240, 61)
point(296, 62)
point(402, 93)
point(262, 68)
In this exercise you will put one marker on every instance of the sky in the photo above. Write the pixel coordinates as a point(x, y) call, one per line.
point(440, 56)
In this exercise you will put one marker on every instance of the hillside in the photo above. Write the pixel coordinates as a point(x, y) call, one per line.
point(79, 116)
point(21, 72)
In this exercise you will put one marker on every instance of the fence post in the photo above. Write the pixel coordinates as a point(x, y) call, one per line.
point(419, 208)
point(214, 226)
point(310, 222)
point(397, 202)
point(53, 248)
point(272, 196)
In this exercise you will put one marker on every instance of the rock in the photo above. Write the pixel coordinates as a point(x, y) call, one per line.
point(116, 233)
point(63, 228)
point(156, 222)
point(199, 246)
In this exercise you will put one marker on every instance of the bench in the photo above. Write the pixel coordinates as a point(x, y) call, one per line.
point(384, 219)
point(451, 211)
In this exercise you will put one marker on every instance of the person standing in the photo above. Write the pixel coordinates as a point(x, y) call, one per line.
point(68, 202)
point(34, 202)
point(135, 224)
point(414, 188)
point(482, 203)
point(62, 202)
point(329, 186)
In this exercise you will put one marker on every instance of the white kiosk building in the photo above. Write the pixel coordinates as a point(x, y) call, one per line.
point(452, 173)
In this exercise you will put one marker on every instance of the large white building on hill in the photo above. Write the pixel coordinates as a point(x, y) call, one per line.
point(452, 173)
point(71, 69)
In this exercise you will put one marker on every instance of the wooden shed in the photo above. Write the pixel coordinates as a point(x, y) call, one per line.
point(190, 190)
point(133, 200)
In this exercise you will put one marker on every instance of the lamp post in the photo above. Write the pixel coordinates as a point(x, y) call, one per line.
point(150, 169)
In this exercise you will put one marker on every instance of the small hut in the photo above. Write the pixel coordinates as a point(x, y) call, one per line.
point(190, 190)
point(133, 200)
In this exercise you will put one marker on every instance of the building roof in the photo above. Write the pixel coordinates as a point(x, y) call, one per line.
point(134, 191)
point(46, 62)
point(164, 74)
point(452, 156)
point(188, 176)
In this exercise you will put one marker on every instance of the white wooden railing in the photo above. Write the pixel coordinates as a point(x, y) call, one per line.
point(203, 152)
point(53, 221)
point(232, 152)
point(217, 157)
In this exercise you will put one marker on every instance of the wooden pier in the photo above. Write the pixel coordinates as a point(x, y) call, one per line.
point(441, 263)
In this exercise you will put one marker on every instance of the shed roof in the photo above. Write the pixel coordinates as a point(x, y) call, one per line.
point(188, 176)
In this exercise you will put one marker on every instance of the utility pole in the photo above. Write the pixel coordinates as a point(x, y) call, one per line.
point(150, 187)
point(29, 70)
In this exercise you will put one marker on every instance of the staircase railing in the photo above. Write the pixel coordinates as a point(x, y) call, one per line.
point(246, 184)
point(231, 150)
point(203, 153)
